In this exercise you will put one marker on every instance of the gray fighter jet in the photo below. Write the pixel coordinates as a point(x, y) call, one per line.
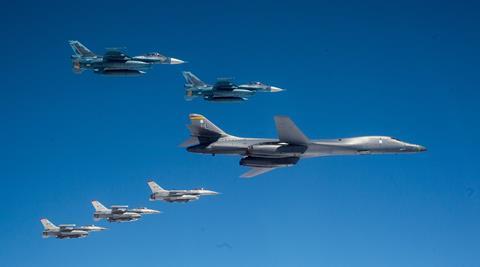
point(114, 62)
point(224, 90)
point(119, 213)
point(159, 193)
point(264, 155)
point(67, 230)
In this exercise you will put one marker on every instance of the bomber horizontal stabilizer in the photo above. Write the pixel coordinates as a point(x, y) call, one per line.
point(190, 142)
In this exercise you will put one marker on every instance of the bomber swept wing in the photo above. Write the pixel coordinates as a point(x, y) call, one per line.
point(288, 132)
point(254, 171)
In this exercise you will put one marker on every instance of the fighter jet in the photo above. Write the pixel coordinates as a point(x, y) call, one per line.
point(119, 213)
point(224, 90)
point(159, 193)
point(264, 155)
point(115, 62)
point(67, 230)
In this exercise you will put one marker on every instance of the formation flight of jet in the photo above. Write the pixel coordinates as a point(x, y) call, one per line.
point(224, 90)
point(263, 155)
point(159, 193)
point(67, 230)
point(119, 213)
point(114, 62)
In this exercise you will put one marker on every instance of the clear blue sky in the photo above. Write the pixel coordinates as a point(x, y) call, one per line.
point(408, 69)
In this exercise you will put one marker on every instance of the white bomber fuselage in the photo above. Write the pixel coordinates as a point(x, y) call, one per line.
point(316, 148)
point(263, 155)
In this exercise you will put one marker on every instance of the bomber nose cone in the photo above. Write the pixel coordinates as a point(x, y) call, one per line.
point(274, 89)
point(176, 61)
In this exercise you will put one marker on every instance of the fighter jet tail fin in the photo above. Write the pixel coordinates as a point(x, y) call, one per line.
point(288, 132)
point(191, 80)
point(98, 206)
point(155, 187)
point(81, 50)
point(48, 225)
point(202, 128)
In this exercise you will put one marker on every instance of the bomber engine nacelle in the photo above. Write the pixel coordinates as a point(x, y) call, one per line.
point(268, 162)
point(276, 150)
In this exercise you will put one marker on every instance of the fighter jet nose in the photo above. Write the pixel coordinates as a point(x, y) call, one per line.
point(176, 61)
point(274, 89)
point(422, 148)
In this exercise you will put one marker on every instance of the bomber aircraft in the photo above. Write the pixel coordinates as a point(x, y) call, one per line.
point(264, 155)
point(119, 213)
point(159, 193)
point(67, 230)
point(224, 90)
point(115, 62)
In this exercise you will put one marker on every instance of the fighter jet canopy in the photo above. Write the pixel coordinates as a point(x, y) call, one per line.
point(256, 83)
point(156, 54)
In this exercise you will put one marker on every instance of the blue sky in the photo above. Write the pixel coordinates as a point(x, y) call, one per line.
point(407, 69)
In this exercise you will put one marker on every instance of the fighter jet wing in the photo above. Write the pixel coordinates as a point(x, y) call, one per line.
point(176, 193)
point(66, 227)
point(288, 132)
point(115, 56)
point(119, 209)
point(224, 85)
point(254, 171)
